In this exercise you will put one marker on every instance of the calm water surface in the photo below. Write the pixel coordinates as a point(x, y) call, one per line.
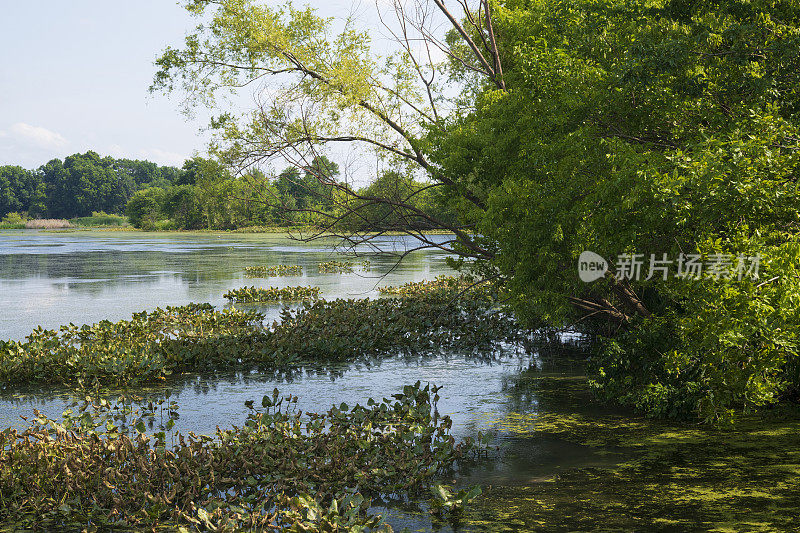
point(50, 279)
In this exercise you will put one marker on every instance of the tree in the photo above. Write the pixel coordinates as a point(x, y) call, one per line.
point(183, 205)
point(146, 208)
point(84, 183)
point(330, 89)
point(617, 127)
point(19, 190)
point(669, 130)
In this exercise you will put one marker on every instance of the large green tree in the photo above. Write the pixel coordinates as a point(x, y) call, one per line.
point(616, 126)
point(20, 191)
point(652, 128)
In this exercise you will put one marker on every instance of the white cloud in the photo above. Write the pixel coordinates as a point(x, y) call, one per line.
point(36, 136)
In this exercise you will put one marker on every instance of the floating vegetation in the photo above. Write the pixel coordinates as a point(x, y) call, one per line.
point(335, 267)
point(283, 470)
point(342, 330)
point(273, 271)
point(441, 285)
point(341, 267)
point(196, 338)
point(678, 477)
point(272, 294)
point(147, 347)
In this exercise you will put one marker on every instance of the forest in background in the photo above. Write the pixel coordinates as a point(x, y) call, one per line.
point(202, 194)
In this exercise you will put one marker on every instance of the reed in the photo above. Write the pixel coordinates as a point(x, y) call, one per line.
point(48, 223)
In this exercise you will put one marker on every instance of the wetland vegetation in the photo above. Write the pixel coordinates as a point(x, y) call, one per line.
point(537, 160)
point(107, 465)
point(271, 294)
point(273, 271)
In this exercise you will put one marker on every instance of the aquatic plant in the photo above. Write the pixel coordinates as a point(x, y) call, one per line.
point(271, 294)
point(147, 347)
point(335, 267)
point(676, 476)
point(451, 505)
point(342, 330)
point(154, 345)
point(283, 470)
point(442, 284)
point(273, 271)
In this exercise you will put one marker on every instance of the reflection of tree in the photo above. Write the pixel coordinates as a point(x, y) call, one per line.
point(554, 382)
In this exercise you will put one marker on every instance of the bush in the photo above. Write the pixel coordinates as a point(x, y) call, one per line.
point(13, 221)
point(100, 218)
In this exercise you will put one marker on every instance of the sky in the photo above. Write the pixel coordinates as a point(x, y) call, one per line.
point(74, 76)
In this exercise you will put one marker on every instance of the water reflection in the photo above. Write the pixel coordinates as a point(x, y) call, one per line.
point(52, 279)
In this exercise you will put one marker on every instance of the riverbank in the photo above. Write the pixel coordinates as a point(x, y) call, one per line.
point(271, 230)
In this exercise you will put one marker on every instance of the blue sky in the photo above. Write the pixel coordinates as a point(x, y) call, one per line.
point(74, 76)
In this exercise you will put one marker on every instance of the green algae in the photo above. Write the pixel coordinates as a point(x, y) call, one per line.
point(672, 476)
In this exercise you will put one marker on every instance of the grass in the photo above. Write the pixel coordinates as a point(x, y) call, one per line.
point(48, 223)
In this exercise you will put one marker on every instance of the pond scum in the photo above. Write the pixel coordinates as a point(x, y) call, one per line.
point(283, 470)
point(671, 476)
point(271, 294)
point(273, 271)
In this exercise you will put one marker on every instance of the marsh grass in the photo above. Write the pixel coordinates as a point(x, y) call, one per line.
point(48, 223)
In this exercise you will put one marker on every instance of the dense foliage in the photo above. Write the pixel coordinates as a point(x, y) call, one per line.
point(282, 471)
point(650, 128)
point(555, 127)
point(78, 185)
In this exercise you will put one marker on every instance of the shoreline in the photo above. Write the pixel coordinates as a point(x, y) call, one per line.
point(252, 230)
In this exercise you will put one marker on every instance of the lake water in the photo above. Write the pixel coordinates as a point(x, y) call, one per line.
point(50, 279)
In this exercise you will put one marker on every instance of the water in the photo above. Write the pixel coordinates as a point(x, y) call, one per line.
point(51, 279)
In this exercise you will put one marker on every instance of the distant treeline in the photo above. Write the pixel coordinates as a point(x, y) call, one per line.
point(209, 196)
point(202, 194)
point(79, 185)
